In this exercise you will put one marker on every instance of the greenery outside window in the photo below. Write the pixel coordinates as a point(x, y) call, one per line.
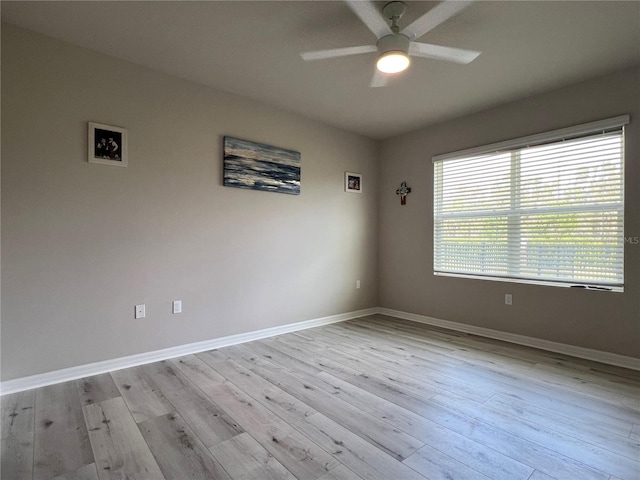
point(548, 208)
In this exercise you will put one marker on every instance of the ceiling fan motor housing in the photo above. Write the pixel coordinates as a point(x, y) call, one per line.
point(395, 42)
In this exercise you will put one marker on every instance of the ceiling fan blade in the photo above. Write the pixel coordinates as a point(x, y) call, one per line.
point(434, 17)
point(379, 79)
point(370, 16)
point(450, 54)
point(337, 52)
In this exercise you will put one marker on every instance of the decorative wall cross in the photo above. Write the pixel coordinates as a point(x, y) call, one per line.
point(403, 191)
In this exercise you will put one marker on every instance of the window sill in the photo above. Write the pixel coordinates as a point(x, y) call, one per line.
point(577, 286)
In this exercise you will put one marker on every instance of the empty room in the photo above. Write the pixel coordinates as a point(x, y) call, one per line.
point(320, 240)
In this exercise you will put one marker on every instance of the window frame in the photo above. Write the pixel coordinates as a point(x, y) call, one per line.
point(515, 145)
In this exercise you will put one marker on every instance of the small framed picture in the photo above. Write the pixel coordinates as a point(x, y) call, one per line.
point(107, 145)
point(352, 182)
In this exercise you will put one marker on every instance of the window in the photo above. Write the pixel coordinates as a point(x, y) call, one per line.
point(542, 209)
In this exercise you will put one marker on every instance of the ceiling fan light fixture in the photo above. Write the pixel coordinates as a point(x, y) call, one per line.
point(393, 62)
point(394, 46)
point(393, 53)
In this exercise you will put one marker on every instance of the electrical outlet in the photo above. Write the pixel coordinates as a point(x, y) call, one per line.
point(140, 311)
point(177, 306)
point(508, 299)
point(357, 283)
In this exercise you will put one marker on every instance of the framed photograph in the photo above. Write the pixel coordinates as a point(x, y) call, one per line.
point(260, 167)
point(107, 145)
point(352, 182)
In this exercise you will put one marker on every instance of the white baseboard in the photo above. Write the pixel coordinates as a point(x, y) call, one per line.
point(81, 371)
point(572, 350)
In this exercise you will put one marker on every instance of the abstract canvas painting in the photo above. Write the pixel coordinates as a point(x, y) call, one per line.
point(261, 167)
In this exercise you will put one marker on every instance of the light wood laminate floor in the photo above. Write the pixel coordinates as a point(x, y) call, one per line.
point(373, 398)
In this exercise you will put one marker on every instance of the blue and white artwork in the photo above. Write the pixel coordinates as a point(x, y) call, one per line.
point(260, 167)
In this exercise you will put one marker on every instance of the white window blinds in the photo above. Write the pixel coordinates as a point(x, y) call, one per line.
point(544, 208)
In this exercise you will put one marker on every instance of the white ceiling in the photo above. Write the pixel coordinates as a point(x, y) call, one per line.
point(251, 48)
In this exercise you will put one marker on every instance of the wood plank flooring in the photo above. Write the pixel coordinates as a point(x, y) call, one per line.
point(372, 398)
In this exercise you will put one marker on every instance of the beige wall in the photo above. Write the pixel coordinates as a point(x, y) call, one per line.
point(83, 243)
point(599, 320)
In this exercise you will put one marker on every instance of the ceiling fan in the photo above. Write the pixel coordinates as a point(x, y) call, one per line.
point(395, 46)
